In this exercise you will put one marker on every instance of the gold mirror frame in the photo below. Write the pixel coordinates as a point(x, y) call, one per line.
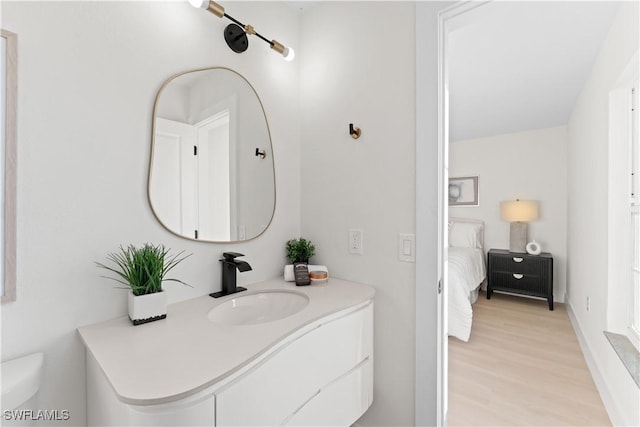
point(264, 156)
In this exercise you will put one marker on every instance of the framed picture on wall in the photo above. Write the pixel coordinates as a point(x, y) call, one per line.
point(463, 191)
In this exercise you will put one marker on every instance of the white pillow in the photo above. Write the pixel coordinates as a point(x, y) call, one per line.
point(465, 235)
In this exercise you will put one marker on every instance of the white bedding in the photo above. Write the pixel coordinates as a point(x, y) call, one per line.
point(466, 272)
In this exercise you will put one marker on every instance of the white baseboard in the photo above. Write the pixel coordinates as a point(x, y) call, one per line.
point(610, 404)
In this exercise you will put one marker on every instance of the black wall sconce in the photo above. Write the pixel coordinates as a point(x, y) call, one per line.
point(236, 34)
point(354, 131)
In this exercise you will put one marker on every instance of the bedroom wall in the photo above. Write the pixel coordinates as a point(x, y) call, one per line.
point(522, 165)
point(587, 220)
point(88, 74)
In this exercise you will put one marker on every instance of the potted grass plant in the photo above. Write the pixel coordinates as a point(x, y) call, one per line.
point(143, 270)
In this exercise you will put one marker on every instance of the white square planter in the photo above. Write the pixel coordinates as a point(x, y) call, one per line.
point(147, 308)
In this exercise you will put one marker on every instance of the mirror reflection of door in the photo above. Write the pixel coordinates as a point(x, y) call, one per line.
point(196, 189)
point(215, 183)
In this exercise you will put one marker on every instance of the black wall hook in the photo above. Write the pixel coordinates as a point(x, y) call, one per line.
point(261, 153)
point(354, 131)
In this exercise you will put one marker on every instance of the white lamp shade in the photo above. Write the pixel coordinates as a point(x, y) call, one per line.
point(519, 210)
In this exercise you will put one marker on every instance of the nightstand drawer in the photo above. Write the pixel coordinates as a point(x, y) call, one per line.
point(519, 282)
point(519, 264)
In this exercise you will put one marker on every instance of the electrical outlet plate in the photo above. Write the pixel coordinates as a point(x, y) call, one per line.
point(355, 241)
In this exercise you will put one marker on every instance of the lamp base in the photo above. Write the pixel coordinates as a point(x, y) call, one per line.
point(518, 237)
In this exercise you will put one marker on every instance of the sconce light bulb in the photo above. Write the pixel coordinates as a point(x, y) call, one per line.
point(203, 4)
point(288, 54)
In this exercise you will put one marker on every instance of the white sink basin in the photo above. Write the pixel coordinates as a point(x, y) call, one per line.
point(261, 307)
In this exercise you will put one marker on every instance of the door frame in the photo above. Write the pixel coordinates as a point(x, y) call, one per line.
point(431, 288)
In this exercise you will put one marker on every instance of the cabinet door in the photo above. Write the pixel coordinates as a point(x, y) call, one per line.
point(340, 403)
point(272, 391)
point(526, 283)
point(104, 408)
point(186, 412)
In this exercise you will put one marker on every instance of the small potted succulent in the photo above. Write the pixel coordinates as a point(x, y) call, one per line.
point(142, 270)
point(300, 250)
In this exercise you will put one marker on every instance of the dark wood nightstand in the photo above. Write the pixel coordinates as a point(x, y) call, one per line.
point(520, 274)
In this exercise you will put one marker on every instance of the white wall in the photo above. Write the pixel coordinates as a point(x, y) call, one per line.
point(529, 165)
point(88, 76)
point(358, 66)
point(587, 186)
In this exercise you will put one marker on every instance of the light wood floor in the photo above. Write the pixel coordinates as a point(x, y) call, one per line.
point(522, 366)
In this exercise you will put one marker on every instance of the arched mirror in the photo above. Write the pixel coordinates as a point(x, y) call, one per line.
point(211, 174)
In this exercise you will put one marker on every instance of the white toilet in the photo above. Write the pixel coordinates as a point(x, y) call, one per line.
point(21, 379)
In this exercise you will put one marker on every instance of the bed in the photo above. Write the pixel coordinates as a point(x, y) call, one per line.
point(466, 272)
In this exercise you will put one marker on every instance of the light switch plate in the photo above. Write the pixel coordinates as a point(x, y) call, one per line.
point(407, 247)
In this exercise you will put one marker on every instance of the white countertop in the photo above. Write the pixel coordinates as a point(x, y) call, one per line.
point(173, 358)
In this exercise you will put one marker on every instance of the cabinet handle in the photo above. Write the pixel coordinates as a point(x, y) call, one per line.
point(518, 276)
point(518, 259)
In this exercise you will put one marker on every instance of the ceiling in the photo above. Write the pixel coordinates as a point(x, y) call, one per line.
point(516, 66)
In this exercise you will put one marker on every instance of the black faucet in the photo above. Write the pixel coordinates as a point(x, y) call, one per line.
point(229, 266)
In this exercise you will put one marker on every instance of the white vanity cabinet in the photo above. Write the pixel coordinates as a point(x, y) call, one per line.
point(105, 409)
point(319, 373)
point(324, 377)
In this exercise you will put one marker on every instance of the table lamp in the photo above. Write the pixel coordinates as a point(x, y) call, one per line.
point(518, 213)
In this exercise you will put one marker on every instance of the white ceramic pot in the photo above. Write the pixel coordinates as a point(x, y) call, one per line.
point(147, 308)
